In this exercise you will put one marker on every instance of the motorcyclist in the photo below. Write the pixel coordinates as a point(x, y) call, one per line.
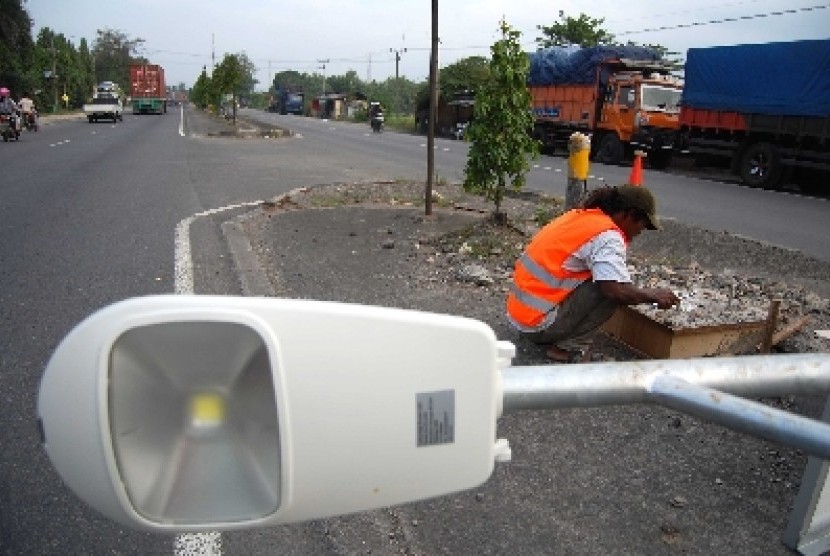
point(376, 116)
point(9, 107)
point(27, 109)
point(375, 110)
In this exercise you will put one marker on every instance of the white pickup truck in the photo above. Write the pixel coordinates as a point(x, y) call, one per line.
point(104, 107)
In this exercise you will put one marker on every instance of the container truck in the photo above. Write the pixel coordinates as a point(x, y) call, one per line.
point(762, 108)
point(147, 89)
point(624, 97)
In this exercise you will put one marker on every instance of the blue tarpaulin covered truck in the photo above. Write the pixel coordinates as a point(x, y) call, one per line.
point(288, 100)
point(763, 107)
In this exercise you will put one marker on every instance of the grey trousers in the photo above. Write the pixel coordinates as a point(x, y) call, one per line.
point(582, 312)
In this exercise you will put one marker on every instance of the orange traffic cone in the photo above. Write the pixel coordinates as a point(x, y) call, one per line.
point(636, 177)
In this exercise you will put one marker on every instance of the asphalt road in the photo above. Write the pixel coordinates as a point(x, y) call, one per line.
point(785, 219)
point(88, 214)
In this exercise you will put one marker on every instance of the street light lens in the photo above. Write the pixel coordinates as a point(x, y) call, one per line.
point(209, 449)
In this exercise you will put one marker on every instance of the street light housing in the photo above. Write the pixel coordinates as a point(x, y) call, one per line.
point(187, 413)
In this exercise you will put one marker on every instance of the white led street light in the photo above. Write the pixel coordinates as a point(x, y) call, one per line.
point(204, 413)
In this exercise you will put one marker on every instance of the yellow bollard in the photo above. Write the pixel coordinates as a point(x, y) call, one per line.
point(579, 147)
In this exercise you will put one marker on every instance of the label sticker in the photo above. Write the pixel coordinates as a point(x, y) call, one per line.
point(436, 417)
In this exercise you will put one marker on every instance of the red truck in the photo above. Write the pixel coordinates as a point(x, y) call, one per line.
point(147, 89)
point(763, 109)
point(624, 97)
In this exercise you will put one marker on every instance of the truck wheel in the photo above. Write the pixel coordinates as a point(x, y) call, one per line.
point(659, 160)
point(761, 166)
point(610, 149)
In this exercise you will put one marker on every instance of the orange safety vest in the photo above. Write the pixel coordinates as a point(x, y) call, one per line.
point(540, 282)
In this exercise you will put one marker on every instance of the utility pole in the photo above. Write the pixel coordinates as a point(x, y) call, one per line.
point(397, 59)
point(323, 67)
point(433, 103)
point(54, 74)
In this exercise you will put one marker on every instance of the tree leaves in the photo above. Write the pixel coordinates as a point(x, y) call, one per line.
point(500, 130)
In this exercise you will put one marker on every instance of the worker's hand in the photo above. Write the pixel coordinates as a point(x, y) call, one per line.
point(665, 298)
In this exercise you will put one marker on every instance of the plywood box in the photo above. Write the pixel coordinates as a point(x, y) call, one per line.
point(660, 341)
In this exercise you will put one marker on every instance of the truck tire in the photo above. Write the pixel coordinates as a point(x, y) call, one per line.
point(659, 159)
point(761, 166)
point(610, 150)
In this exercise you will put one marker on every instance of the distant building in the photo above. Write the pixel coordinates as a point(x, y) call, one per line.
point(455, 113)
point(330, 106)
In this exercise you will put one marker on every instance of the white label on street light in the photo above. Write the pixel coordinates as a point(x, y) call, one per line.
point(436, 418)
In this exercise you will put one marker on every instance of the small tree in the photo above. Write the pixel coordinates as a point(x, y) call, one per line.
point(228, 78)
point(500, 130)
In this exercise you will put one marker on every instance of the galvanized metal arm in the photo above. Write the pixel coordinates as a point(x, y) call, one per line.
point(705, 387)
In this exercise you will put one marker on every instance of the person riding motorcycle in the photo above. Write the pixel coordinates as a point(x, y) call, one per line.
point(9, 108)
point(27, 110)
point(376, 116)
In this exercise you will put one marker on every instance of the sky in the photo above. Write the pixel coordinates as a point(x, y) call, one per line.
point(331, 37)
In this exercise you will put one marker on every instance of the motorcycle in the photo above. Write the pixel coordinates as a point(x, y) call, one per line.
point(9, 127)
point(377, 122)
point(30, 120)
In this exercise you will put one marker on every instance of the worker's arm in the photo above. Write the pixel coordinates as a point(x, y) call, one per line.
point(628, 294)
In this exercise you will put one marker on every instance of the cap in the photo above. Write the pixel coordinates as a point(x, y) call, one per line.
point(640, 198)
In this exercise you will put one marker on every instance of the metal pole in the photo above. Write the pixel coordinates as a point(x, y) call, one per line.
point(743, 415)
point(683, 384)
point(433, 110)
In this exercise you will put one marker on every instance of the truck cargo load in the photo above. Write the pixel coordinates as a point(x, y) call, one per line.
point(790, 78)
point(624, 97)
point(762, 109)
point(572, 65)
point(148, 89)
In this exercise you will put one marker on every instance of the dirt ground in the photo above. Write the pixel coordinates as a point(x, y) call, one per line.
point(440, 252)
point(633, 479)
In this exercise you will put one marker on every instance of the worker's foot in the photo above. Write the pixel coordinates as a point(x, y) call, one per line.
point(560, 355)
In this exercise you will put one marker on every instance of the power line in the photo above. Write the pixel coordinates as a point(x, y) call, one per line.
point(724, 20)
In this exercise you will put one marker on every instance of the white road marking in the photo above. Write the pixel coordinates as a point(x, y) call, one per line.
point(183, 268)
point(181, 121)
point(201, 544)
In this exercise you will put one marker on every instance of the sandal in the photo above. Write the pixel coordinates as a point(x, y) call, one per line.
point(559, 355)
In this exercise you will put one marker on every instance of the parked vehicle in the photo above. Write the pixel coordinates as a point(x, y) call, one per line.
point(147, 89)
point(763, 108)
point(624, 97)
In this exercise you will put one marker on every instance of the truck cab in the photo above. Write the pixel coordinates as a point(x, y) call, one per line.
point(640, 109)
